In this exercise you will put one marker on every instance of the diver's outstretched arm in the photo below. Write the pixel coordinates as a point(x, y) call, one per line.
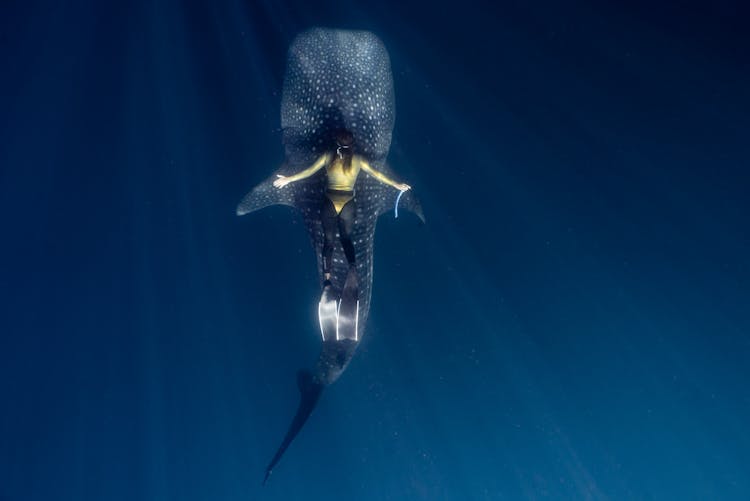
point(319, 163)
point(382, 177)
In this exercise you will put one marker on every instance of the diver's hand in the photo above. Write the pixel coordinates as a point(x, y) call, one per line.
point(403, 187)
point(281, 181)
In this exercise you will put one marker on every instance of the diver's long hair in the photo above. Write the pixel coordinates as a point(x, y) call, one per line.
point(345, 148)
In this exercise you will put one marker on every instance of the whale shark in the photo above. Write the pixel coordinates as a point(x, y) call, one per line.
point(334, 79)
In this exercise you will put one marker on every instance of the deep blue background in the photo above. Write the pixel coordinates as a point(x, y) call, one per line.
point(571, 323)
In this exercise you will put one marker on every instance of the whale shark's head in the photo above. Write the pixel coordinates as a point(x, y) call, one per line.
point(337, 79)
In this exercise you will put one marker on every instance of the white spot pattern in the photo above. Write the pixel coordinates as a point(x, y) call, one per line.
point(336, 79)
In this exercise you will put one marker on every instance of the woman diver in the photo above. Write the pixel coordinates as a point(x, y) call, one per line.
point(338, 209)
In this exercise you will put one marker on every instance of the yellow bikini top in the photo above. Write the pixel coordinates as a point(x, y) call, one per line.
point(339, 178)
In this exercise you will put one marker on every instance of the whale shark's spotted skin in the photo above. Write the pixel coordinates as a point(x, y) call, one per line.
point(336, 79)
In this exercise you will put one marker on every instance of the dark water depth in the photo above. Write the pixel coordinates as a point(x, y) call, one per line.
point(572, 322)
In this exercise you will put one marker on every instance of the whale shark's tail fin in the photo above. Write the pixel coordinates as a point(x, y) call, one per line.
point(310, 391)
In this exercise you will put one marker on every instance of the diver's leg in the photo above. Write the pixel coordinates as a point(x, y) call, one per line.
point(348, 317)
point(328, 305)
point(328, 218)
point(346, 225)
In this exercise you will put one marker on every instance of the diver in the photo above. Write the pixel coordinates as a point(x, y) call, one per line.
point(338, 209)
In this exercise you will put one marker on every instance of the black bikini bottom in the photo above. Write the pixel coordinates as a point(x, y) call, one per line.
point(346, 193)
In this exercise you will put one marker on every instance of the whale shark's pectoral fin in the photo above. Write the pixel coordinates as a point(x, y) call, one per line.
point(265, 195)
point(390, 196)
point(302, 194)
point(309, 391)
point(409, 202)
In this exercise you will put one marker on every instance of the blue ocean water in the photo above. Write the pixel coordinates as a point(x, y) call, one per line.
point(571, 323)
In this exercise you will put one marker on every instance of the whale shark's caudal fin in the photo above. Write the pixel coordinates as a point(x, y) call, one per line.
point(333, 359)
point(310, 391)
